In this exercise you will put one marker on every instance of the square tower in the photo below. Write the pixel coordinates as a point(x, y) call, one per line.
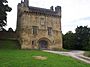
point(39, 28)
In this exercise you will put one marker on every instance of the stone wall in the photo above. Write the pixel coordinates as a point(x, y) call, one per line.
point(8, 35)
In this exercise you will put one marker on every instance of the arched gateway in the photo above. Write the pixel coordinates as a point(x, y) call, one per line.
point(44, 43)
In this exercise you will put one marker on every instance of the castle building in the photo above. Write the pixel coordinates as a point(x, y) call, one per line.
point(39, 28)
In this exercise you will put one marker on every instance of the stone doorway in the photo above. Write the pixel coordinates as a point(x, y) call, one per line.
point(43, 44)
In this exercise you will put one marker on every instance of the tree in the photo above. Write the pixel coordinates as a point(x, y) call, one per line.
point(4, 8)
point(80, 40)
point(10, 30)
point(69, 40)
point(82, 37)
point(79, 37)
point(4, 30)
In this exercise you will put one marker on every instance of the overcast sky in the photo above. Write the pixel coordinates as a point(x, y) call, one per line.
point(74, 12)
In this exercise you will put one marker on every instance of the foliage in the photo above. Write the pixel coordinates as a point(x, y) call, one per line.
point(69, 40)
point(4, 8)
point(80, 40)
point(24, 58)
point(10, 30)
point(3, 30)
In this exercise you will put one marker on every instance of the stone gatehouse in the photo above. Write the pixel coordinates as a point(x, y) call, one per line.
point(38, 28)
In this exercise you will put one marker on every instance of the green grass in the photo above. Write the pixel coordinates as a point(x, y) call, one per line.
point(11, 57)
point(24, 58)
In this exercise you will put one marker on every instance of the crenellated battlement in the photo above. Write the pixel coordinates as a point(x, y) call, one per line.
point(25, 7)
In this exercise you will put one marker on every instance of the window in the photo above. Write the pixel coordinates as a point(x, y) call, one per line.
point(32, 42)
point(35, 30)
point(49, 31)
point(42, 21)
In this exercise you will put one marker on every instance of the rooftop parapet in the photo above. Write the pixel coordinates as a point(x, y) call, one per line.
point(51, 11)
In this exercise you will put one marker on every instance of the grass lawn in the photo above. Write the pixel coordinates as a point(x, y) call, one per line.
point(12, 57)
point(24, 58)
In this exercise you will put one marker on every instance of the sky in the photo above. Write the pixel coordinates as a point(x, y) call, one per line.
point(74, 12)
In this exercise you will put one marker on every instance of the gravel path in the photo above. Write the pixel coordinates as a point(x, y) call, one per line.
point(74, 53)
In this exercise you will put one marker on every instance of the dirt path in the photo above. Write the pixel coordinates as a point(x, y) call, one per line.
point(74, 53)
